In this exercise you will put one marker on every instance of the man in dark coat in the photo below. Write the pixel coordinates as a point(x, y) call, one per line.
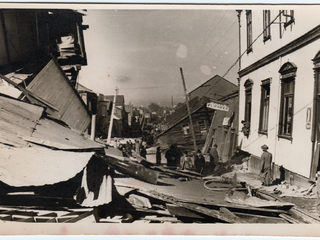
point(158, 156)
point(266, 157)
point(199, 161)
point(143, 152)
point(171, 156)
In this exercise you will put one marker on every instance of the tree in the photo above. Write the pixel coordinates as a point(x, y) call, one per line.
point(153, 107)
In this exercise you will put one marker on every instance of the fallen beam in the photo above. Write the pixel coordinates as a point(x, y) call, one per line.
point(191, 206)
point(290, 219)
point(178, 173)
point(131, 169)
point(182, 212)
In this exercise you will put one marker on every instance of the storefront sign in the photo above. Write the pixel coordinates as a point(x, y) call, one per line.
point(218, 106)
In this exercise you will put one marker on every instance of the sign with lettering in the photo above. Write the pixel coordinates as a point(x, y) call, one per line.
point(218, 106)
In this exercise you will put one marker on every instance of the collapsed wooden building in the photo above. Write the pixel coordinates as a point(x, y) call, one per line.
point(209, 125)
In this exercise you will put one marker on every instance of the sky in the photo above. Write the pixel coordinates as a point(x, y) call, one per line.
point(141, 52)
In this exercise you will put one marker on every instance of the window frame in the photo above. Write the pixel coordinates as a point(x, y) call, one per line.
point(185, 126)
point(288, 75)
point(249, 30)
point(248, 99)
point(266, 25)
point(264, 106)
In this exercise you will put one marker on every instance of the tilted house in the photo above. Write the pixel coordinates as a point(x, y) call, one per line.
point(224, 123)
point(279, 89)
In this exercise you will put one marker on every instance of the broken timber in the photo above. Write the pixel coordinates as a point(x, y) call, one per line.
point(177, 172)
point(193, 207)
point(131, 168)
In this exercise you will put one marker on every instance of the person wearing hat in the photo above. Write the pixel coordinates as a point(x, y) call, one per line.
point(266, 158)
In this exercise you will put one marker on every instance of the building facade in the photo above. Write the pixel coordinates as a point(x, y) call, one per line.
point(278, 87)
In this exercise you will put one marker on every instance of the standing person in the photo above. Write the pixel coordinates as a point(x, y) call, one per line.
point(266, 158)
point(171, 157)
point(214, 157)
point(129, 148)
point(199, 161)
point(158, 156)
point(143, 152)
point(183, 160)
point(137, 146)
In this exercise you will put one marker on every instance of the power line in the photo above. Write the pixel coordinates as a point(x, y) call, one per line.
point(253, 42)
point(274, 127)
point(201, 47)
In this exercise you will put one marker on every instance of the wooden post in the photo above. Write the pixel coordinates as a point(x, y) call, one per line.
point(189, 113)
point(209, 135)
point(112, 113)
point(93, 127)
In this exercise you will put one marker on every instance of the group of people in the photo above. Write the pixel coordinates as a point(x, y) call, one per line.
point(186, 160)
point(137, 146)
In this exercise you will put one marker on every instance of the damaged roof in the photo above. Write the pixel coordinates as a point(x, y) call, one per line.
point(215, 88)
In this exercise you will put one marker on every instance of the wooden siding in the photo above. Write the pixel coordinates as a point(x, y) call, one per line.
point(224, 136)
point(17, 119)
point(52, 85)
point(176, 135)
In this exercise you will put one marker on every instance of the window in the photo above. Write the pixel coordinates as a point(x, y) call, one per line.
point(247, 111)
point(186, 129)
point(266, 25)
point(202, 127)
point(264, 106)
point(289, 17)
point(288, 73)
point(249, 31)
point(248, 87)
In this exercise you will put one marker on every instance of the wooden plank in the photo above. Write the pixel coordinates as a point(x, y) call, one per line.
point(209, 135)
point(191, 206)
point(70, 106)
point(17, 119)
point(228, 214)
point(163, 169)
point(22, 109)
point(289, 218)
point(182, 212)
point(131, 168)
point(237, 197)
point(256, 218)
point(161, 219)
point(55, 135)
point(303, 215)
point(29, 94)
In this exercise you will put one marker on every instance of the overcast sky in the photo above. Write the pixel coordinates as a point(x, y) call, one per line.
point(141, 52)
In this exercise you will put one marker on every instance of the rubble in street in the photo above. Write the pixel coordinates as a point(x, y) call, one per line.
point(63, 160)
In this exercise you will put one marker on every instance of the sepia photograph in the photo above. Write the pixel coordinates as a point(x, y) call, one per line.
point(160, 119)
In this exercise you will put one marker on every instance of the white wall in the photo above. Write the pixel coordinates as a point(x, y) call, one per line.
point(294, 155)
point(306, 18)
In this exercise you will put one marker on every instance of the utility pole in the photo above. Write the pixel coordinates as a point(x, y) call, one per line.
point(172, 102)
point(112, 113)
point(239, 21)
point(189, 113)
